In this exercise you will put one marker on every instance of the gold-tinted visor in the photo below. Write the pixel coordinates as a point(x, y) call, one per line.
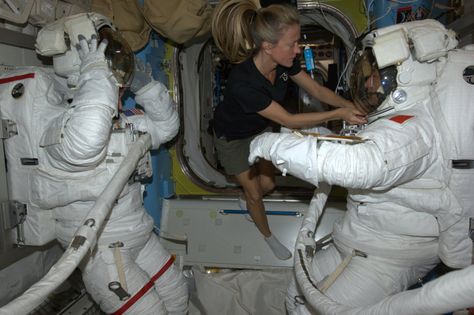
point(369, 85)
point(119, 55)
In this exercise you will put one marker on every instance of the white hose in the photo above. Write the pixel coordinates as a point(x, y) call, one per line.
point(84, 238)
point(451, 292)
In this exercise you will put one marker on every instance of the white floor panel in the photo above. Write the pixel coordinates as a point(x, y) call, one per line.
point(207, 233)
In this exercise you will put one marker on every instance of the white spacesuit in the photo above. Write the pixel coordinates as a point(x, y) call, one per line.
point(68, 139)
point(408, 182)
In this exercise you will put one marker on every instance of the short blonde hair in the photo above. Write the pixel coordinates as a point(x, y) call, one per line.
point(239, 27)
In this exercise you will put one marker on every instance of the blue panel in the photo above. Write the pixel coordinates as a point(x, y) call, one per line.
point(385, 12)
point(161, 185)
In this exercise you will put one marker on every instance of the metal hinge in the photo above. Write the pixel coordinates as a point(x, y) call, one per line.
point(471, 235)
point(14, 214)
point(471, 228)
point(7, 128)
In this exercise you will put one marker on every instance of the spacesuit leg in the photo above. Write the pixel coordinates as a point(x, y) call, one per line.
point(102, 270)
point(323, 265)
point(367, 280)
point(171, 285)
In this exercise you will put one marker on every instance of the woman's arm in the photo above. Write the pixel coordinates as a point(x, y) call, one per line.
point(320, 92)
point(275, 112)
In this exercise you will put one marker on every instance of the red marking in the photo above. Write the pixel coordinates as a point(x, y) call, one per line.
point(401, 118)
point(145, 288)
point(17, 78)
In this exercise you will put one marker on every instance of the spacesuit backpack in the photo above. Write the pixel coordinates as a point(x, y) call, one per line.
point(454, 95)
point(29, 100)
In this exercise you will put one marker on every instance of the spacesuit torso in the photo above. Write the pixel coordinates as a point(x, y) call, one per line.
point(52, 189)
point(425, 195)
point(400, 213)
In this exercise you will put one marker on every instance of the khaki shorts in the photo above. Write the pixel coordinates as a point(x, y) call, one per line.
point(233, 155)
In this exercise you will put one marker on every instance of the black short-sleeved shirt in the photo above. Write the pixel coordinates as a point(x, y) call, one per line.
point(248, 92)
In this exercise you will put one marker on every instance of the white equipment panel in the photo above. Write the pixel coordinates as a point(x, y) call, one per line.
point(214, 233)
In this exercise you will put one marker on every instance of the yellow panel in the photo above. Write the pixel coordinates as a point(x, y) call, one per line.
point(184, 186)
point(354, 11)
point(167, 63)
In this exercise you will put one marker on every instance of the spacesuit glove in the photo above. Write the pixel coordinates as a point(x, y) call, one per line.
point(91, 55)
point(156, 100)
point(141, 76)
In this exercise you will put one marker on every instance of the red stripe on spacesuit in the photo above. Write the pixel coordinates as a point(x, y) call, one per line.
point(401, 118)
point(145, 288)
point(17, 78)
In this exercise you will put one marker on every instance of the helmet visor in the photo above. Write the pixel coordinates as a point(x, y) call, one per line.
point(369, 85)
point(119, 55)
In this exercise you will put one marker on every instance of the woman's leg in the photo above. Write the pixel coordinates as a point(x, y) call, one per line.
point(266, 179)
point(253, 194)
point(266, 176)
point(249, 180)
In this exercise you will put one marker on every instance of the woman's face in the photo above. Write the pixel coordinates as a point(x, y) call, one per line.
point(286, 49)
point(367, 98)
point(373, 86)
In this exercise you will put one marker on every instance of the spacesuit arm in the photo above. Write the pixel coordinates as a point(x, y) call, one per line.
point(359, 166)
point(161, 118)
point(338, 164)
point(376, 164)
point(77, 139)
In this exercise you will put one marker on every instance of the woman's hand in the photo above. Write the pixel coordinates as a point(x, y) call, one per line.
point(352, 116)
point(349, 104)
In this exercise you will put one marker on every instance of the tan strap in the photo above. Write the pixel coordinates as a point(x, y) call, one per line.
point(330, 279)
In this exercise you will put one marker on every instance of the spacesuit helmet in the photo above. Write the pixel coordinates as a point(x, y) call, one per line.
point(60, 38)
point(395, 59)
point(369, 85)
